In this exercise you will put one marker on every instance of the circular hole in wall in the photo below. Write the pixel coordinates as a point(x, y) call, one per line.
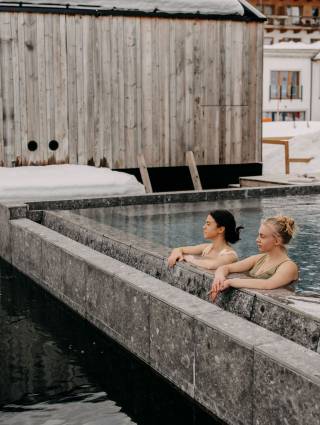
point(53, 145)
point(32, 145)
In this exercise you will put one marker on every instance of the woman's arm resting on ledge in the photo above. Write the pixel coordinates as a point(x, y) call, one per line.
point(210, 263)
point(286, 273)
point(178, 253)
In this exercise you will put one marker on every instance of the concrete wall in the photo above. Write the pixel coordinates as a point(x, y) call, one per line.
point(272, 313)
point(241, 372)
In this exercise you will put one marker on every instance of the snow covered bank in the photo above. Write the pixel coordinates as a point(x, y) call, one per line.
point(302, 146)
point(288, 129)
point(65, 182)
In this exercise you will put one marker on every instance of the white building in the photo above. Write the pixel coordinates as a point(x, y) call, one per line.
point(291, 82)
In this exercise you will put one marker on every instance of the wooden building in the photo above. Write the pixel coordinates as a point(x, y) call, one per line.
point(100, 84)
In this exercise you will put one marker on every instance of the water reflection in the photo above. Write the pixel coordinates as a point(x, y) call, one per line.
point(181, 224)
point(56, 369)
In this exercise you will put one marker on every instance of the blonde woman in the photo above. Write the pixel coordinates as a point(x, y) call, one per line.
point(269, 270)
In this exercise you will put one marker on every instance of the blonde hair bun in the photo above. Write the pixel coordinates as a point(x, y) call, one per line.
point(285, 226)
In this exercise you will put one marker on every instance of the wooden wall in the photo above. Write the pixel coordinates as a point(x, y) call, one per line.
point(107, 88)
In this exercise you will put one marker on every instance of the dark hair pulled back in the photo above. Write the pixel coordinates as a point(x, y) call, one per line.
point(226, 219)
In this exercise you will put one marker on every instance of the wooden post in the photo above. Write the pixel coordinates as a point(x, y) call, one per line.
point(193, 170)
point(286, 156)
point(144, 173)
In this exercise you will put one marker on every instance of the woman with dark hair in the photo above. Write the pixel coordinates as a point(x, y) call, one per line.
point(220, 227)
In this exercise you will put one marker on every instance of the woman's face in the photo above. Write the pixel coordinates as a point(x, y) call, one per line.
point(211, 229)
point(267, 238)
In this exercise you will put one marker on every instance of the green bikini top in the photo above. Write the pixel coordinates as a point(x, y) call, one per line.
point(268, 273)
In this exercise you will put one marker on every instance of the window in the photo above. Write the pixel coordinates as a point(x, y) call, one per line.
point(285, 85)
point(285, 116)
point(295, 13)
point(315, 12)
point(266, 9)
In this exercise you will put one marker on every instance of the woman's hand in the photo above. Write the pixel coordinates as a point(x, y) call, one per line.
point(176, 255)
point(219, 285)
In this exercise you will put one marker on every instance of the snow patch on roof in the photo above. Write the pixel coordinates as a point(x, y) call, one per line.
point(203, 7)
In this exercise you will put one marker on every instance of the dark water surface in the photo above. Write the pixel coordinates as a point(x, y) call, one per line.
point(56, 369)
point(181, 224)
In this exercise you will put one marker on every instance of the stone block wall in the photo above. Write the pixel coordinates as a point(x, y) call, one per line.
point(239, 371)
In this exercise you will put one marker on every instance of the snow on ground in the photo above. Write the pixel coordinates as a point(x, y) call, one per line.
point(302, 146)
point(212, 7)
point(65, 182)
point(278, 129)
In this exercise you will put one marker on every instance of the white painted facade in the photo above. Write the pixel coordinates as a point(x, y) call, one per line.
point(299, 57)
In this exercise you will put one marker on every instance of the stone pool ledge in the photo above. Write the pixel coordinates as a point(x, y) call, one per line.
point(175, 197)
point(279, 310)
point(240, 372)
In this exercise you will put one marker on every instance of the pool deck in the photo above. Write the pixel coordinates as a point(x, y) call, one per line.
point(280, 179)
point(256, 369)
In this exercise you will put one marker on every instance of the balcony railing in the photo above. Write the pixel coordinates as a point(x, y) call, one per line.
point(294, 21)
point(285, 92)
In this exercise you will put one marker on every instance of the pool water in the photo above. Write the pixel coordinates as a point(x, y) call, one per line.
point(56, 369)
point(181, 224)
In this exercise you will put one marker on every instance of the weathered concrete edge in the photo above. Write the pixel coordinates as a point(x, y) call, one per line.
point(172, 197)
point(134, 309)
point(150, 258)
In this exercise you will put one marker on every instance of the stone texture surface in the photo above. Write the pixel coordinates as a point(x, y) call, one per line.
point(5, 249)
point(237, 302)
point(74, 271)
point(172, 344)
point(121, 308)
point(33, 257)
point(286, 322)
point(224, 364)
point(18, 246)
point(52, 265)
point(286, 385)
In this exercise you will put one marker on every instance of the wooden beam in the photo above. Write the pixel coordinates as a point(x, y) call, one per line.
point(144, 173)
point(193, 170)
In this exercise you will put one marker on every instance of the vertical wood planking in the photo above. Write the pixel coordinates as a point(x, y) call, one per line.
point(173, 94)
point(106, 98)
point(164, 87)
point(180, 87)
point(155, 93)
point(130, 91)
point(97, 92)
point(43, 141)
point(189, 89)
point(32, 98)
point(146, 68)
point(115, 93)
point(121, 65)
point(7, 89)
point(257, 142)
point(139, 85)
point(81, 145)
point(197, 109)
point(88, 88)
point(22, 89)
point(72, 90)
point(16, 155)
point(110, 88)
